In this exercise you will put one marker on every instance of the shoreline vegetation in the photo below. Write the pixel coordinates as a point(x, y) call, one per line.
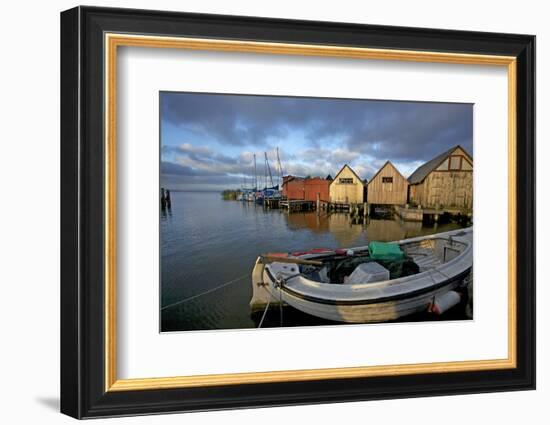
point(230, 195)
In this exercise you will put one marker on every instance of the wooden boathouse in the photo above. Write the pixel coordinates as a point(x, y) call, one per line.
point(347, 188)
point(304, 194)
point(306, 189)
point(293, 187)
point(444, 182)
point(387, 187)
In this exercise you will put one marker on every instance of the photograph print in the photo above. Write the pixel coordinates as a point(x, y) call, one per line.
point(303, 211)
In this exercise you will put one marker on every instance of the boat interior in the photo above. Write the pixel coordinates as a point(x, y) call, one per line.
point(356, 266)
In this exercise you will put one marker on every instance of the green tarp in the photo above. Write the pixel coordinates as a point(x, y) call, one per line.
point(388, 251)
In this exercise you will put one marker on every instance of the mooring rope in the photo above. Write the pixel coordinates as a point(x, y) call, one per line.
point(281, 305)
point(205, 292)
point(263, 315)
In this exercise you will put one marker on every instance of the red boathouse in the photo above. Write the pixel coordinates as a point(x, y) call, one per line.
point(306, 189)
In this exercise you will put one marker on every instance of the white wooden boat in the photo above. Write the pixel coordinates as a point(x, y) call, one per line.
point(444, 263)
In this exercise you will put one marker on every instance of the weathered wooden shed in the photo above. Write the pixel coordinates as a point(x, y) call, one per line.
point(446, 181)
point(347, 187)
point(387, 187)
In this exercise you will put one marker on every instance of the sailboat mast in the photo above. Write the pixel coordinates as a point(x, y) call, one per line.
point(268, 169)
point(255, 178)
point(280, 168)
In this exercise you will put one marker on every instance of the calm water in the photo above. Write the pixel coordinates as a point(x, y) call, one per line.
point(206, 241)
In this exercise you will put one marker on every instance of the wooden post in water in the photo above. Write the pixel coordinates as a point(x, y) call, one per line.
point(318, 203)
point(168, 199)
point(162, 199)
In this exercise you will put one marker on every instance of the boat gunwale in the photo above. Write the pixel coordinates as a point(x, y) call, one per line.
point(404, 295)
point(388, 282)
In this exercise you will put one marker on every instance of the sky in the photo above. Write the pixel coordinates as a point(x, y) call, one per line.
point(208, 141)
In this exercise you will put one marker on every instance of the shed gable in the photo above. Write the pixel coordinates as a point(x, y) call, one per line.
point(346, 176)
point(458, 160)
point(347, 187)
point(387, 186)
point(455, 159)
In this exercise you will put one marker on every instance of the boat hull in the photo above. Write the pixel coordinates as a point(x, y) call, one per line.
point(368, 312)
point(365, 303)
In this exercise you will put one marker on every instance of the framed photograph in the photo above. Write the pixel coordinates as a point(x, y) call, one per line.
point(261, 212)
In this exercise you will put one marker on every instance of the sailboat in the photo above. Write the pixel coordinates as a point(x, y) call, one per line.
point(249, 194)
point(268, 192)
point(272, 191)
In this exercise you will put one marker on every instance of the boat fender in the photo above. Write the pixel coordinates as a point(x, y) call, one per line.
point(349, 252)
point(444, 302)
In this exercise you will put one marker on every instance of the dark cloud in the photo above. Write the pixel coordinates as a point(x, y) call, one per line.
point(399, 130)
point(236, 120)
point(332, 132)
point(414, 132)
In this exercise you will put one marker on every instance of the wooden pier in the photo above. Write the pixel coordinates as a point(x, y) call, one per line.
point(365, 209)
point(297, 205)
point(353, 209)
point(272, 203)
point(430, 214)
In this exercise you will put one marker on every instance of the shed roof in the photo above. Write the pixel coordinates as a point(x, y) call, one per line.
point(289, 178)
point(421, 172)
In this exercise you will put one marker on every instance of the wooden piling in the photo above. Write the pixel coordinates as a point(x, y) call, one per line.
point(318, 203)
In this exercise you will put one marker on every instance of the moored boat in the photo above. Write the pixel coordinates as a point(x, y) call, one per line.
point(268, 193)
point(375, 283)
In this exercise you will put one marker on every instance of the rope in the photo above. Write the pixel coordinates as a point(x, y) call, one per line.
point(272, 296)
point(281, 304)
point(263, 315)
point(280, 300)
point(205, 292)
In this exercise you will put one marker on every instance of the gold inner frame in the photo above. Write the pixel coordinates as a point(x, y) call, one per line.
point(113, 41)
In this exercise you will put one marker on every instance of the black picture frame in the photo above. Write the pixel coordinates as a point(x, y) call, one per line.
point(83, 392)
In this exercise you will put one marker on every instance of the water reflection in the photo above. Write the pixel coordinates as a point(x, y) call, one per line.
point(357, 231)
point(165, 213)
point(339, 225)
